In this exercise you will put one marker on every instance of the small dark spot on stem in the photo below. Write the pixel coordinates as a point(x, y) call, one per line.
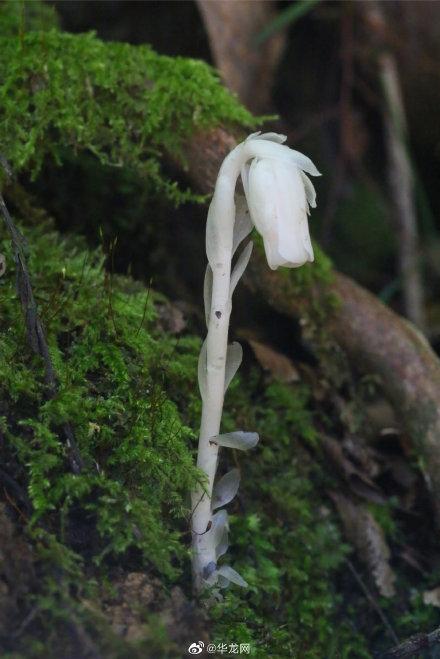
point(209, 569)
point(218, 314)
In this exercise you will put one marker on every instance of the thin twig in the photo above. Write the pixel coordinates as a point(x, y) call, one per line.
point(26, 622)
point(145, 307)
point(372, 601)
point(16, 490)
point(34, 328)
point(401, 177)
point(344, 156)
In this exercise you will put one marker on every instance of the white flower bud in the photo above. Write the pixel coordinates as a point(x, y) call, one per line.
point(278, 194)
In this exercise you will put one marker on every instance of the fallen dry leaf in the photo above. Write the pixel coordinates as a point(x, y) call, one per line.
point(358, 481)
point(369, 541)
point(432, 597)
point(278, 365)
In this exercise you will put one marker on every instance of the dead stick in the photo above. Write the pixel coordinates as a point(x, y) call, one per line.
point(413, 645)
point(372, 601)
point(34, 328)
point(401, 179)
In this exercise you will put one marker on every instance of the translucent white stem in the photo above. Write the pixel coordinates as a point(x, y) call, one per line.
point(220, 227)
point(281, 218)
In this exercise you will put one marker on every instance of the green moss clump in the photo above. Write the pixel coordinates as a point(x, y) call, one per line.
point(130, 502)
point(127, 389)
point(125, 104)
point(113, 371)
point(19, 16)
point(285, 541)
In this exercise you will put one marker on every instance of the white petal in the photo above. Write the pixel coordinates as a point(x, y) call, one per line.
point(310, 190)
point(262, 202)
point(292, 216)
point(278, 205)
point(304, 163)
point(259, 148)
point(253, 136)
point(273, 137)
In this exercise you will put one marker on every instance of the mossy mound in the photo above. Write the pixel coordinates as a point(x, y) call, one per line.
point(102, 556)
point(113, 366)
point(125, 104)
point(287, 544)
point(111, 371)
point(127, 389)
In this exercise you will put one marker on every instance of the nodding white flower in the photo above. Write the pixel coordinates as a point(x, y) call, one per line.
point(279, 194)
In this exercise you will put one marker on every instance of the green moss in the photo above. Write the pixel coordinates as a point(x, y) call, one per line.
point(19, 16)
point(125, 104)
point(306, 285)
point(113, 374)
point(127, 389)
point(128, 392)
point(285, 541)
point(114, 369)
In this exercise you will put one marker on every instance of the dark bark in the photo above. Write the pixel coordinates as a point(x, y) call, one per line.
point(246, 66)
point(413, 646)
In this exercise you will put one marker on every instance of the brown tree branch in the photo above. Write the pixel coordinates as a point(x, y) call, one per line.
point(246, 67)
point(400, 173)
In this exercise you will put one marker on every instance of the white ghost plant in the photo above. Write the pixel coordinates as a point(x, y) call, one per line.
point(278, 194)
